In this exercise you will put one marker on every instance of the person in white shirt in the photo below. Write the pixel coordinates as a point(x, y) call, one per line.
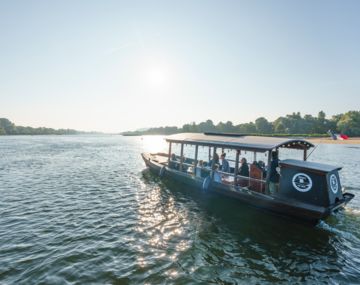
point(198, 168)
point(217, 176)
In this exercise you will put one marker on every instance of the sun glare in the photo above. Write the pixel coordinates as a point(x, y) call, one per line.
point(157, 76)
point(154, 143)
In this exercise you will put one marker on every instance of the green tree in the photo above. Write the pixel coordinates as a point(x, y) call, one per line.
point(280, 125)
point(309, 123)
point(263, 126)
point(321, 124)
point(349, 123)
point(294, 123)
point(334, 121)
point(207, 126)
point(221, 127)
point(9, 127)
point(247, 128)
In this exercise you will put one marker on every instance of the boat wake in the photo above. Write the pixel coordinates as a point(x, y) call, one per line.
point(346, 235)
point(352, 211)
point(356, 147)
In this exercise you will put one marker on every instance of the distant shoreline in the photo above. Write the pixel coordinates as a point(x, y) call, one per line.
point(315, 140)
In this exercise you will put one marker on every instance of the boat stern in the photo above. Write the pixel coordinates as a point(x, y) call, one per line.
point(313, 183)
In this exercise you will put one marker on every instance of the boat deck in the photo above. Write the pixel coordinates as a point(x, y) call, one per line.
point(161, 158)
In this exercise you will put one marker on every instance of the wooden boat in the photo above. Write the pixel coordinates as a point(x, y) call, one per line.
point(306, 190)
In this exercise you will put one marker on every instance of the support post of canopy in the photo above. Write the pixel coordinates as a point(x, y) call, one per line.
point(209, 153)
point(236, 166)
point(196, 158)
point(268, 173)
point(181, 157)
point(212, 164)
point(169, 154)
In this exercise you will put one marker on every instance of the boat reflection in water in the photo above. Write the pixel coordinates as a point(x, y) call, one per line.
point(305, 190)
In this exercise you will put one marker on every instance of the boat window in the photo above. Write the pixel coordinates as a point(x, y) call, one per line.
point(176, 148)
point(203, 153)
point(254, 180)
point(185, 162)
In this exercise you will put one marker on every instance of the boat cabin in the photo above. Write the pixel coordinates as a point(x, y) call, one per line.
point(235, 147)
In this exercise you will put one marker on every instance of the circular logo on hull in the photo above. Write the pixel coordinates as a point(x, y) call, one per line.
point(334, 184)
point(302, 182)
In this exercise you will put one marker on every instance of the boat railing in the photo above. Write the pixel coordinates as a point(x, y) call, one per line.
point(185, 165)
point(251, 183)
point(240, 176)
point(228, 178)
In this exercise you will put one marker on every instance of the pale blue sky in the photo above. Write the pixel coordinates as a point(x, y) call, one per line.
point(122, 65)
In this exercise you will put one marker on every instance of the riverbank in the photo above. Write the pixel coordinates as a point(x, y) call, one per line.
point(355, 140)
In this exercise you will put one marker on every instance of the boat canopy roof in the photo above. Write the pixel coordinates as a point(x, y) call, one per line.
point(309, 165)
point(235, 141)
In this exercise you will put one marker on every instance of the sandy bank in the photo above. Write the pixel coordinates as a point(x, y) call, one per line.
point(355, 140)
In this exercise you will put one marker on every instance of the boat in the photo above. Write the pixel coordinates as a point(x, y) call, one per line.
point(306, 191)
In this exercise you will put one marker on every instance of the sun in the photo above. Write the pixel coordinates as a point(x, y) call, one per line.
point(157, 76)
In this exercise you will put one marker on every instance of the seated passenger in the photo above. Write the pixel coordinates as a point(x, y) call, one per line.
point(205, 170)
point(217, 177)
point(244, 168)
point(173, 164)
point(215, 160)
point(184, 167)
point(256, 174)
point(243, 172)
point(190, 169)
point(199, 168)
point(261, 165)
point(225, 167)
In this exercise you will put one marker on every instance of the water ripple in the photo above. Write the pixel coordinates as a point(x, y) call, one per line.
point(79, 210)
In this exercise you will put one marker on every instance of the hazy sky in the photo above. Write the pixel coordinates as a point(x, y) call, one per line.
point(122, 65)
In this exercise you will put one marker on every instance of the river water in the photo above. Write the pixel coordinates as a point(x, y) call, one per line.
point(83, 209)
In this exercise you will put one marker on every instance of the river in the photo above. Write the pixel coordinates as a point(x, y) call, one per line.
point(84, 209)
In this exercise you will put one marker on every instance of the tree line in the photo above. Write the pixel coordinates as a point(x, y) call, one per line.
point(9, 128)
point(291, 124)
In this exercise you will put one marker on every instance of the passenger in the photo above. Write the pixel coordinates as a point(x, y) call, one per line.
point(261, 165)
point(173, 164)
point(190, 169)
point(244, 168)
point(215, 160)
point(184, 167)
point(274, 175)
point(225, 164)
point(199, 168)
point(217, 177)
point(205, 170)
